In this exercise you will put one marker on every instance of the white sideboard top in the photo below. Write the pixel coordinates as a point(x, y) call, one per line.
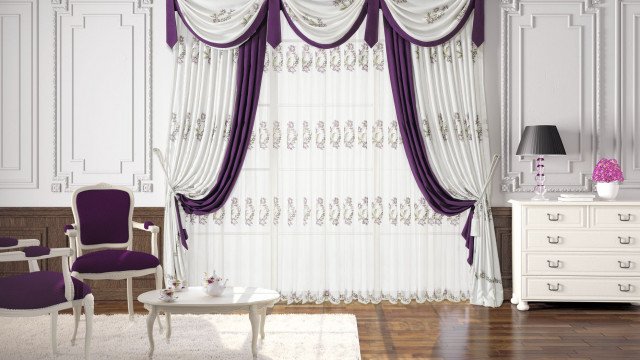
point(574, 203)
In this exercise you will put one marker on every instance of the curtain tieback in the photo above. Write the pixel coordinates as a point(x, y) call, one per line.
point(481, 200)
point(182, 232)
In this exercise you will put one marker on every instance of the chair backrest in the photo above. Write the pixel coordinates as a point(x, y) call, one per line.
point(103, 215)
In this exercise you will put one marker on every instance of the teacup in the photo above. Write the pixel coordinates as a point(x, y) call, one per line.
point(178, 285)
point(167, 295)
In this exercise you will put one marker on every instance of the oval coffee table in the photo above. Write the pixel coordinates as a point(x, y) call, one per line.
point(255, 301)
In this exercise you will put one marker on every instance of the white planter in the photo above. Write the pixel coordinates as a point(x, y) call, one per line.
point(608, 191)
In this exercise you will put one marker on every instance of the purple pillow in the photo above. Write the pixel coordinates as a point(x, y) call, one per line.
point(8, 241)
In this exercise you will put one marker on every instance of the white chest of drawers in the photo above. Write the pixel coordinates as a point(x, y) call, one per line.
point(581, 251)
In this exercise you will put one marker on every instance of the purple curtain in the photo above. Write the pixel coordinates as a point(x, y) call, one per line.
point(249, 79)
point(402, 86)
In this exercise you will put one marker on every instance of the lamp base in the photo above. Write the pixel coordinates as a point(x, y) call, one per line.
point(539, 190)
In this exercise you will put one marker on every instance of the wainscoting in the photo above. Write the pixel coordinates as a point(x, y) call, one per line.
point(46, 224)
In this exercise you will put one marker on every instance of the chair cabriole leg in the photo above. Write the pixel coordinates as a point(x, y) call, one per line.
point(77, 311)
point(130, 298)
point(88, 314)
point(54, 332)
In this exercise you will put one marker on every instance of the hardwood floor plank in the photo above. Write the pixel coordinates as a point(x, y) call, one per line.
point(460, 331)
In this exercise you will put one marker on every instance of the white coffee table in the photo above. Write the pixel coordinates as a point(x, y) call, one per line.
point(255, 301)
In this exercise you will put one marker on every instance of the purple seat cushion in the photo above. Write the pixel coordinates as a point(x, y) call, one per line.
point(114, 260)
point(103, 216)
point(8, 241)
point(37, 290)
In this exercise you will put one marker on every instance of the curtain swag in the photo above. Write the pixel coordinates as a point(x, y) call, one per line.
point(325, 24)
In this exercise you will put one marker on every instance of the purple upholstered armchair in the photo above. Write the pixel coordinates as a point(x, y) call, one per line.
point(103, 221)
point(44, 292)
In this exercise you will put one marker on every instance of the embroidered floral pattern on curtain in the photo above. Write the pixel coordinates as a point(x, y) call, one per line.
point(326, 208)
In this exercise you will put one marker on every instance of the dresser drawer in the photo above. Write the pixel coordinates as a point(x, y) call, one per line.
point(552, 240)
point(555, 216)
point(581, 288)
point(615, 216)
point(581, 264)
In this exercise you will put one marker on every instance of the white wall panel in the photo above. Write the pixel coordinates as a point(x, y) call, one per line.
point(103, 94)
point(550, 75)
point(628, 90)
point(18, 94)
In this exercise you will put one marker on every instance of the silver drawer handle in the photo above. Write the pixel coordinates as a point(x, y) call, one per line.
point(552, 288)
point(624, 264)
point(622, 217)
point(624, 241)
point(553, 265)
point(553, 240)
point(624, 289)
point(555, 217)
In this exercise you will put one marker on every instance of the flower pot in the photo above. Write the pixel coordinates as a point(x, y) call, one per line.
point(608, 191)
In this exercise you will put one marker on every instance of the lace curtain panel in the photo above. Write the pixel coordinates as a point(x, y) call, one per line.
point(326, 207)
point(449, 87)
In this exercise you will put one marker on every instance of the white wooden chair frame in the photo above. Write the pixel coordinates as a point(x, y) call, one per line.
point(53, 310)
point(76, 245)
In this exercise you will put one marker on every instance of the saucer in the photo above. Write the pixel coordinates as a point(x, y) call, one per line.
point(165, 299)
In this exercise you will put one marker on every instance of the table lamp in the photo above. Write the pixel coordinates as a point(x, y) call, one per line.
point(540, 140)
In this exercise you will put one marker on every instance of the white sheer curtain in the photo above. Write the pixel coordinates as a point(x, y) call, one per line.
point(199, 130)
point(450, 95)
point(326, 207)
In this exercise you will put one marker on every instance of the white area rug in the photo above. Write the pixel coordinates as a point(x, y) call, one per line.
point(193, 337)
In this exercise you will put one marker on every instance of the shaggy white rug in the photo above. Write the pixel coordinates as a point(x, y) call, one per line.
point(193, 337)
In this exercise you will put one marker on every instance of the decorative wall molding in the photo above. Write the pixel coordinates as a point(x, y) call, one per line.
point(627, 131)
point(580, 20)
point(91, 120)
point(19, 94)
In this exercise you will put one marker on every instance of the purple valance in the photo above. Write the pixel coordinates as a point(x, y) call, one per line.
point(257, 22)
point(478, 25)
point(338, 42)
point(269, 12)
point(403, 89)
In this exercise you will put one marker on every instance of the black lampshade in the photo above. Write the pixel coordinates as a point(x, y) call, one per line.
point(541, 140)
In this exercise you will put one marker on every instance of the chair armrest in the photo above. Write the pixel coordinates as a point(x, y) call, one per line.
point(154, 230)
point(20, 256)
point(22, 243)
point(71, 231)
point(63, 253)
point(146, 226)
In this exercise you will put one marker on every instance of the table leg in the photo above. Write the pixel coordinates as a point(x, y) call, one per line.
point(168, 333)
point(254, 317)
point(263, 317)
point(153, 313)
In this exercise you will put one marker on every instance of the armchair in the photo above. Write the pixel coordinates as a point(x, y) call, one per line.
point(44, 292)
point(103, 222)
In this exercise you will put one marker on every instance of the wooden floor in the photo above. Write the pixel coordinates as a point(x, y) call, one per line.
point(460, 331)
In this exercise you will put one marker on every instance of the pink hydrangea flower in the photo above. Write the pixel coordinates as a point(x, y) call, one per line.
point(607, 170)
